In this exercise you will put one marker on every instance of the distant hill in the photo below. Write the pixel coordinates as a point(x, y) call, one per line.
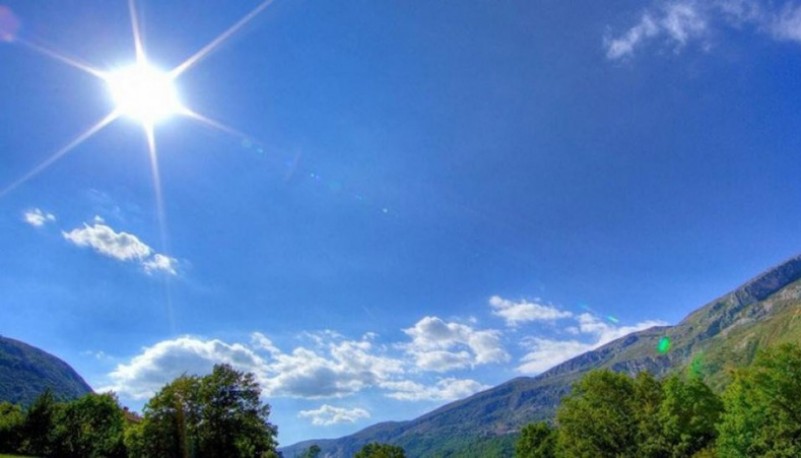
point(710, 341)
point(26, 371)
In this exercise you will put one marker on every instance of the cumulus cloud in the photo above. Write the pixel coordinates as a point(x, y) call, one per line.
point(524, 311)
point(340, 368)
point(679, 22)
point(328, 415)
point(121, 246)
point(440, 346)
point(159, 364)
point(542, 354)
point(38, 218)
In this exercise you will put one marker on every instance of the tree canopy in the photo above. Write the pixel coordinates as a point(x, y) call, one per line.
point(379, 450)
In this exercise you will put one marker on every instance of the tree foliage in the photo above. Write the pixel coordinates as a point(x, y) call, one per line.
point(218, 415)
point(537, 440)
point(379, 450)
point(762, 414)
point(91, 426)
point(11, 420)
point(611, 414)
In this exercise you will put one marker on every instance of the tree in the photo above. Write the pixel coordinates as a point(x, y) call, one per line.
point(91, 427)
point(219, 415)
point(649, 396)
point(598, 418)
point(379, 450)
point(688, 415)
point(11, 420)
point(762, 407)
point(537, 440)
point(37, 429)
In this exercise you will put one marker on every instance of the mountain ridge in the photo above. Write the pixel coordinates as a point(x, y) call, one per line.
point(26, 371)
point(710, 341)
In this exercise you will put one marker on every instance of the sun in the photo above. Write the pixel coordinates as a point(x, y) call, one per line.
point(141, 92)
point(144, 93)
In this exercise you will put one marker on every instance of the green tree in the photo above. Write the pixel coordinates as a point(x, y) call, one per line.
point(90, 427)
point(219, 415)
point(762, 407)
point(688, 416)
point(379, 450)
point(537, 440)
point(37, 429)
point(11, 421)
point(598, 418)
point(648, 396)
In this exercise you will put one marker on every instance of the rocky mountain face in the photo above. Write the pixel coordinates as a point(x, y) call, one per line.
point(711, 341)
point(26, 371)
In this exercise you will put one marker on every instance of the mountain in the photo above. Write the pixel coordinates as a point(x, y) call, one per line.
point(26, 371)
point(712, 340)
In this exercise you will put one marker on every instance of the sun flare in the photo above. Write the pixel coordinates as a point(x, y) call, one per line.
point(144, 93)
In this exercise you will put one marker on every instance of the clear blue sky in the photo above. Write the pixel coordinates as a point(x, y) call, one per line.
point(412, 200)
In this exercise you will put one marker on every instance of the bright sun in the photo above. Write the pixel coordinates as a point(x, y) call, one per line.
point(144, 93)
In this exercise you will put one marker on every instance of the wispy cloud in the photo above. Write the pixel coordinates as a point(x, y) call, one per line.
point(37, 217)
point(121, 246)
point(591, 332)
point(678, 23)
point(327, 415)
point(523, 311)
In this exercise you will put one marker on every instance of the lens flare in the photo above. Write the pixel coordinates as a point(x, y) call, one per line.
point(9, 24)
point(664, 345)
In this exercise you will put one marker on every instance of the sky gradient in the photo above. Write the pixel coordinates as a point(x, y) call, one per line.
point(396, 204)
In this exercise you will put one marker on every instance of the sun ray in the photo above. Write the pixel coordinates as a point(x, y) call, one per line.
point(62, 58)
point(137, 34)
point(206, 50)
point(212, 123)
point(63, 151)
point(161, 217)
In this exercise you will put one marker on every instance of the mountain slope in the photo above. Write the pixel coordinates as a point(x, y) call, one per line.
point(26, 371)
point(715, 338)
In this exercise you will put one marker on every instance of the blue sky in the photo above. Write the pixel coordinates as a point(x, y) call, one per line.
point(402, 202)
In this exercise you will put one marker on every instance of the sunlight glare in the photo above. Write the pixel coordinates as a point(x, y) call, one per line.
point(144, 93)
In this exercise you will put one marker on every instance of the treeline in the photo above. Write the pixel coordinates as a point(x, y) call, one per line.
point(609, 414)
point(218, 415)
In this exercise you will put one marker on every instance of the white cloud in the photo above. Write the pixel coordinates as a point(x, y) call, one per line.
point(38, 218)
point(679, 22)
point(524, 311)
point(624, 45)
point(340, 368)
point(787, 24)
point(329, 415)
point(156, 366)
point(546, 353)
point(446, 389)
point(605, 332)
point(160, 263)
point(121, 246)
point(440, 346)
